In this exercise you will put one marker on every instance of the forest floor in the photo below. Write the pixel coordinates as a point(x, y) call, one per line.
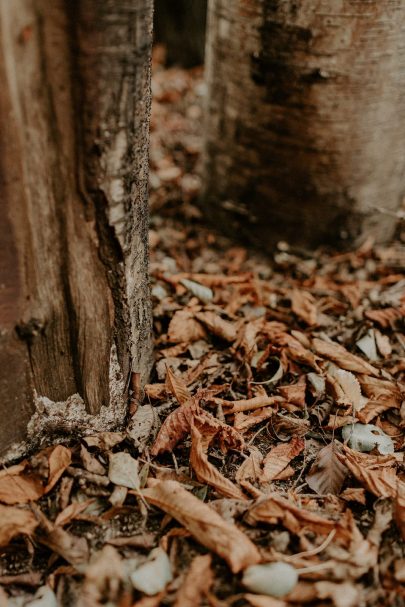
point(271, 431)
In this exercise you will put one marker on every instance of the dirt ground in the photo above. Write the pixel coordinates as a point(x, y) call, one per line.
point(271, 432)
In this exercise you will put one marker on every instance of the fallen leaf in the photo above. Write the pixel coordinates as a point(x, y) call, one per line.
point(72, 548)
point(208, 527)
point(303, 306)
point(279, 457)
point(124, 470)
point(342, 357)
point(354, 494)
point(178, 387)
point(327, 473)
point(217, 326)
point(366, 437)
point(59, 459)
point(196, 583)
point(71, 512)
point(350, 389)
point(243, 422)
point(90, 462)
point(386, 317)
point(375, 472)
point(15, 521)
point(175, 427)
point(19, 486)
point(368, 346)
point(257, 402)
point(143, 426)
point(104, 440)
point(275, 509)
point(294, 393)
point(250, 470)
point(184, 327)
point(201, 436)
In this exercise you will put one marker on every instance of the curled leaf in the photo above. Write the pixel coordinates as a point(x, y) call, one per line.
point(15, 521)
point(206, 525)
point(178, 387)
point(342, 357)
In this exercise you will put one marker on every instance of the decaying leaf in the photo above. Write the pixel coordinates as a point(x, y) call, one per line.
point(342, 357)
point(175, 427)
point(350, 391)
point(279, 457)
point(15, 521)
point(104, 440)
point(375, 472)
point(275, 509)
point(124, 470)
point(196, 583)
point(386, 317)
point(208, 527)
point(243, 422)
point(368, 346)
point(327, 473)
point(257, 402)
point(143, 426)
point(303, 305)
point(204, 470)
point(184, 327)
point(178, 387)
point(217, 325)
point(250, 471)
point(19, 486)
point(294, 393)
point(59, 459)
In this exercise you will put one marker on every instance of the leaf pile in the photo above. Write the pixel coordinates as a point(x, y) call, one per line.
point(244, 476)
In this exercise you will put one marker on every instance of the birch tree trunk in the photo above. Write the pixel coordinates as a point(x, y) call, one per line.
point(74, 302)
point(305, 133)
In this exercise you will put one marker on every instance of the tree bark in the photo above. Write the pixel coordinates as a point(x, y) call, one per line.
point(180, 26)
point(74, 301)
point(305, 133)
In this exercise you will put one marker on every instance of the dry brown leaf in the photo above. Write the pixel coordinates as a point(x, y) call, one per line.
point(217, 325)
point(354, 494)
point(201, 437)
point(90, 461)
point(383, 391)
point(383, 344)
point(349, 389)
point(104, 440)
point(184, 327)
point(327, 473)
point(71, 512)
point(243, 422)
point(175, 427)
point(275, 509)
point(59, 459)
point(304, 306)
point(399, 508)
point(386, 317)
point(342, 595)
point(375, 472)
point(72, 548)
point(247, 337)
point(294, 393)
point(155, 391)
point(257, 402)
point(150, 601)
point(342, 357)
point(18, 486)
point(250, 469)
point(196, 584)
point(279, 457)
point(178, 387)
point(206, 525)
point(15, 521)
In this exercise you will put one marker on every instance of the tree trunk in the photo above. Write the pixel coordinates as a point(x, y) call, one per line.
point(305, 134)
point(74, 302)
point(180, 26)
